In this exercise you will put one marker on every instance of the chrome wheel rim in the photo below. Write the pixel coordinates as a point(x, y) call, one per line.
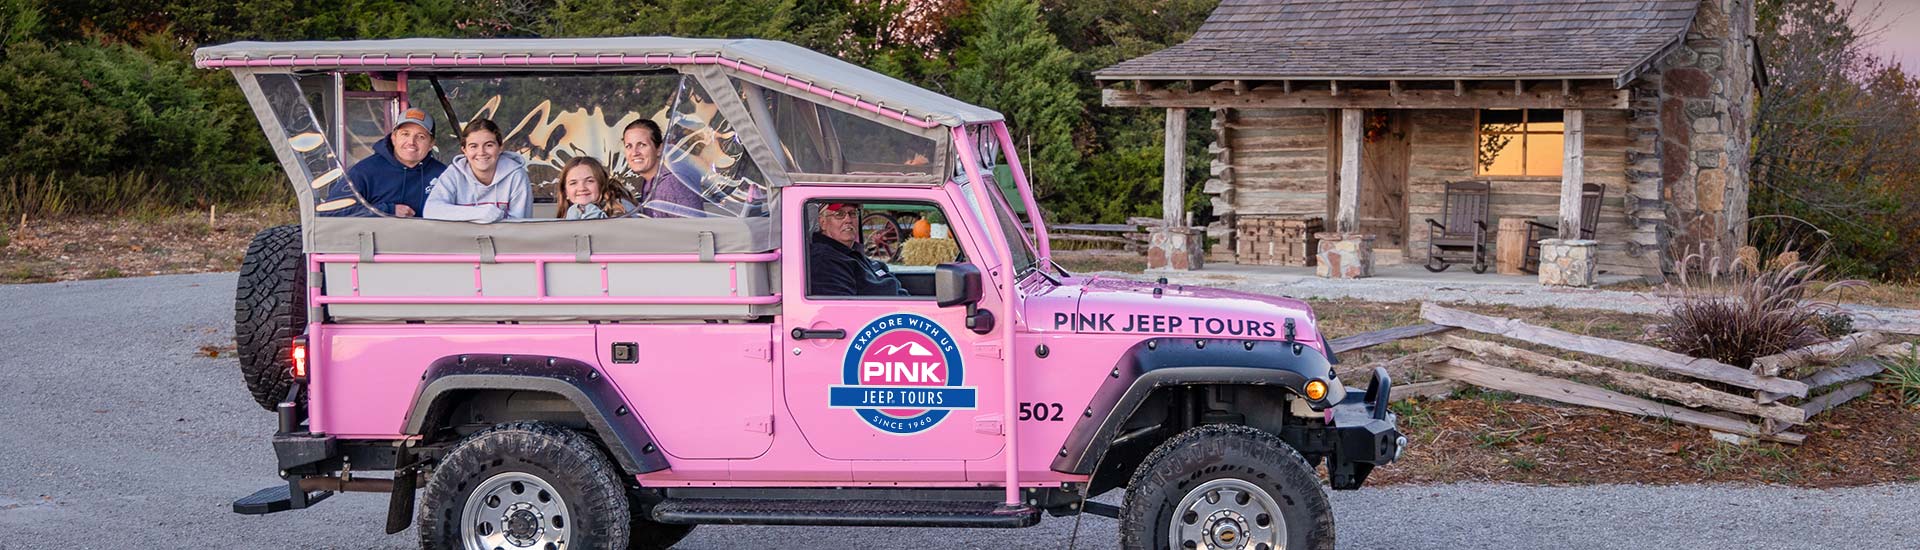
point(1227, 514)
point(515, 510)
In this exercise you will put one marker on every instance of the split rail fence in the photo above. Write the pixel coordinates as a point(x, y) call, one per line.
point(1758, 403)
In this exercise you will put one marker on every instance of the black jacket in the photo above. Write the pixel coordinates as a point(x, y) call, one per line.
point(835, 270)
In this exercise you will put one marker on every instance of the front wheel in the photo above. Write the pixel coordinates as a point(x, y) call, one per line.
point(525, 485)
point(1227, 487)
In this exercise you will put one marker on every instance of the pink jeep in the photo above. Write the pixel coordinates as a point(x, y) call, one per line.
point(615, 382)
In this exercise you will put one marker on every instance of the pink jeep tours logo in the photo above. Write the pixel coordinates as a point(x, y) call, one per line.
point(902, 375)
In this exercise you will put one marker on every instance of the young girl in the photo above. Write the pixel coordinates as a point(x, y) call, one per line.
point(587, 192)
point(484, 184)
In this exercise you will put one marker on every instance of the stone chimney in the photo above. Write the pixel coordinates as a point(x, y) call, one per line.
point(1694, 114)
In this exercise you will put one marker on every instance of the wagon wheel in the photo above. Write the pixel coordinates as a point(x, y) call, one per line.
point(881, 236)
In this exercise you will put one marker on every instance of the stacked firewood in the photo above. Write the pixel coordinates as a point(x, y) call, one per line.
point(1276, 240)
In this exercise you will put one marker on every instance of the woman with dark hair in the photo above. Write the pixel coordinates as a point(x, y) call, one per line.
point(659, 191)
point(587, 192)
point(484, 184)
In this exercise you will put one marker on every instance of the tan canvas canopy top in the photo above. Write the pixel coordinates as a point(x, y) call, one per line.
point(773, 58)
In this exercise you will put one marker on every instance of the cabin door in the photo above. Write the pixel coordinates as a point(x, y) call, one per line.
point(1383, 178)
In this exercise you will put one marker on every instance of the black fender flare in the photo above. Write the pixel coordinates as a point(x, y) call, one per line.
point(625, 436)
point(1163, 362)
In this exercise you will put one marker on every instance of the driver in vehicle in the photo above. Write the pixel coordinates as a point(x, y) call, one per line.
point(835, 266)
point(394, 180)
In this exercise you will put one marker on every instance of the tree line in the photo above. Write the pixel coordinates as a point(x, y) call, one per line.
point(95, 92)
point(101, 109)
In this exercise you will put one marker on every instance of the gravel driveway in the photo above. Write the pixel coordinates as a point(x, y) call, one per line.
point(116, 433)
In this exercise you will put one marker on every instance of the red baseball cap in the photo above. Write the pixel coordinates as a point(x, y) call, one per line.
point(837, 206)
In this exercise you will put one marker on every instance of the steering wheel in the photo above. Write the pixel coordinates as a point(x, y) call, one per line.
point(880, 233)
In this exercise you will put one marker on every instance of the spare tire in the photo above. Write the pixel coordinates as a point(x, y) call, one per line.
point(269, 311)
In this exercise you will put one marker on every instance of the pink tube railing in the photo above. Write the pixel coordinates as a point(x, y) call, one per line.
point(555, 300)
point(540, 262)
point(964, 146)
point(564, 61)
point(1026, 190)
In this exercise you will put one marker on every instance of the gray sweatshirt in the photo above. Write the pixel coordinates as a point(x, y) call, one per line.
point(458, 196)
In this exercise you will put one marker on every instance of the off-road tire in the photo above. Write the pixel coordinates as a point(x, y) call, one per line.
point(269, 311)
point(1220, 451)
point(597, 508)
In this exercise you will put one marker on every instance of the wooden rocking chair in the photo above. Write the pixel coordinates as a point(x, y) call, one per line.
point(1463, 238)
point(1590, 195)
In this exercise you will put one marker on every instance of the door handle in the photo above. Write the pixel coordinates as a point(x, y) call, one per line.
point(828, 334)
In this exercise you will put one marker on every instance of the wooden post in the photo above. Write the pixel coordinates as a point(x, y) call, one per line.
point(1173, 178)
point(1573, 174)
point(1347, 219)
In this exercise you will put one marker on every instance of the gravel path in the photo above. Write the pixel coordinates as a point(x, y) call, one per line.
point(117, 433)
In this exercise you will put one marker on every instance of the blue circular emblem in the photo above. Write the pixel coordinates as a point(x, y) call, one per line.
point(902, 374)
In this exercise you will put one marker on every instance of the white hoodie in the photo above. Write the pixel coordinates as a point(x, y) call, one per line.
point(457, 195)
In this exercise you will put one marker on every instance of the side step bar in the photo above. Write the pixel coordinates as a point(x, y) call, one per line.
point(872, 513)
point(278, 498)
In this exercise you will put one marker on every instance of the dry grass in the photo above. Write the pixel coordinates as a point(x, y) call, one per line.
point(1079, 261)
point(104, 247)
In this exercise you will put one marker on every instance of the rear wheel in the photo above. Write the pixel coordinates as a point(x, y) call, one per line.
point(269, 311)
point(1226, 487)
point(525, 485)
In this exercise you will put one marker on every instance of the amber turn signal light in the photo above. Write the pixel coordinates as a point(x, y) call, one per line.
point(1316, 390)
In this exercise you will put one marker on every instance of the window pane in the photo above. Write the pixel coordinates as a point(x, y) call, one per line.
point(1499, 154)
point(1545, 154)
point(1500, 120)
point(822, 140)
point(1545, 120)
point(910, 238)
point(704, 153)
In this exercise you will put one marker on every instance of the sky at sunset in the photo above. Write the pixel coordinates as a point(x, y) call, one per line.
point(1900, 39)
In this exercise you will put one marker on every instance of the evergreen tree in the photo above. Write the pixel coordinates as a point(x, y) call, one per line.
point(1013, 64)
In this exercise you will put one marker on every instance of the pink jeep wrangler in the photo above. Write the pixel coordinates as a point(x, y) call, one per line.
point(611, 383)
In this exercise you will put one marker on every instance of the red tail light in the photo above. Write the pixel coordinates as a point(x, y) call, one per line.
point(300, 358)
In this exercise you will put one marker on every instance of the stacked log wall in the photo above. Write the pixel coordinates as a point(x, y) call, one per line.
point(1443, 150)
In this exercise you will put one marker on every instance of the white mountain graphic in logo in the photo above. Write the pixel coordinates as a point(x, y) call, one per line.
point(913, 349)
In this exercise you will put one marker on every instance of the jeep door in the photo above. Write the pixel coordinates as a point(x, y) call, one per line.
point(888, 377)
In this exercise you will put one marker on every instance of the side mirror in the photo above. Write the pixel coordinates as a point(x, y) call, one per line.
point(956, 284)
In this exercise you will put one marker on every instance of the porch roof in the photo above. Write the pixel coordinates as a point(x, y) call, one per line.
point(1419, 40)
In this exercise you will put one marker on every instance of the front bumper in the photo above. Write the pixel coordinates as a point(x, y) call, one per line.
point(1364, 433)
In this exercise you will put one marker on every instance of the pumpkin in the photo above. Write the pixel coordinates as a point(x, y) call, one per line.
point(922, 229)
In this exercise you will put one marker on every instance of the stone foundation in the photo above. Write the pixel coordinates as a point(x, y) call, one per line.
point(1176, 248)
point(1568, 262)
point(1344, 256)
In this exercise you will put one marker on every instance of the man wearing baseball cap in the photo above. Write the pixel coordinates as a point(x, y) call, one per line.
point(394, 180)
point(835, 266)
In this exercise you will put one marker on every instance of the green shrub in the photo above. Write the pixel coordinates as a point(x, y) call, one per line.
point(91, 126)
point(1903, 377)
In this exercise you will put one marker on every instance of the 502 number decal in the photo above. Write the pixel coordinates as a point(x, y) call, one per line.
point(1042, 412)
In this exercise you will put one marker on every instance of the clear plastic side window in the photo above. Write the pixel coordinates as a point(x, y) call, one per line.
point(816, 139)
point(304, 134)
point(711, 172)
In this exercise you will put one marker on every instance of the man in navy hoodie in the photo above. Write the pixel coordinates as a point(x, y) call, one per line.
point(394, 180)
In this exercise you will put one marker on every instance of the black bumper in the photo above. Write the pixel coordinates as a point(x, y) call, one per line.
point(1364, 435)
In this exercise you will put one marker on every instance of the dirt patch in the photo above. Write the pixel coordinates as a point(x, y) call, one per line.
point(100, 247)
